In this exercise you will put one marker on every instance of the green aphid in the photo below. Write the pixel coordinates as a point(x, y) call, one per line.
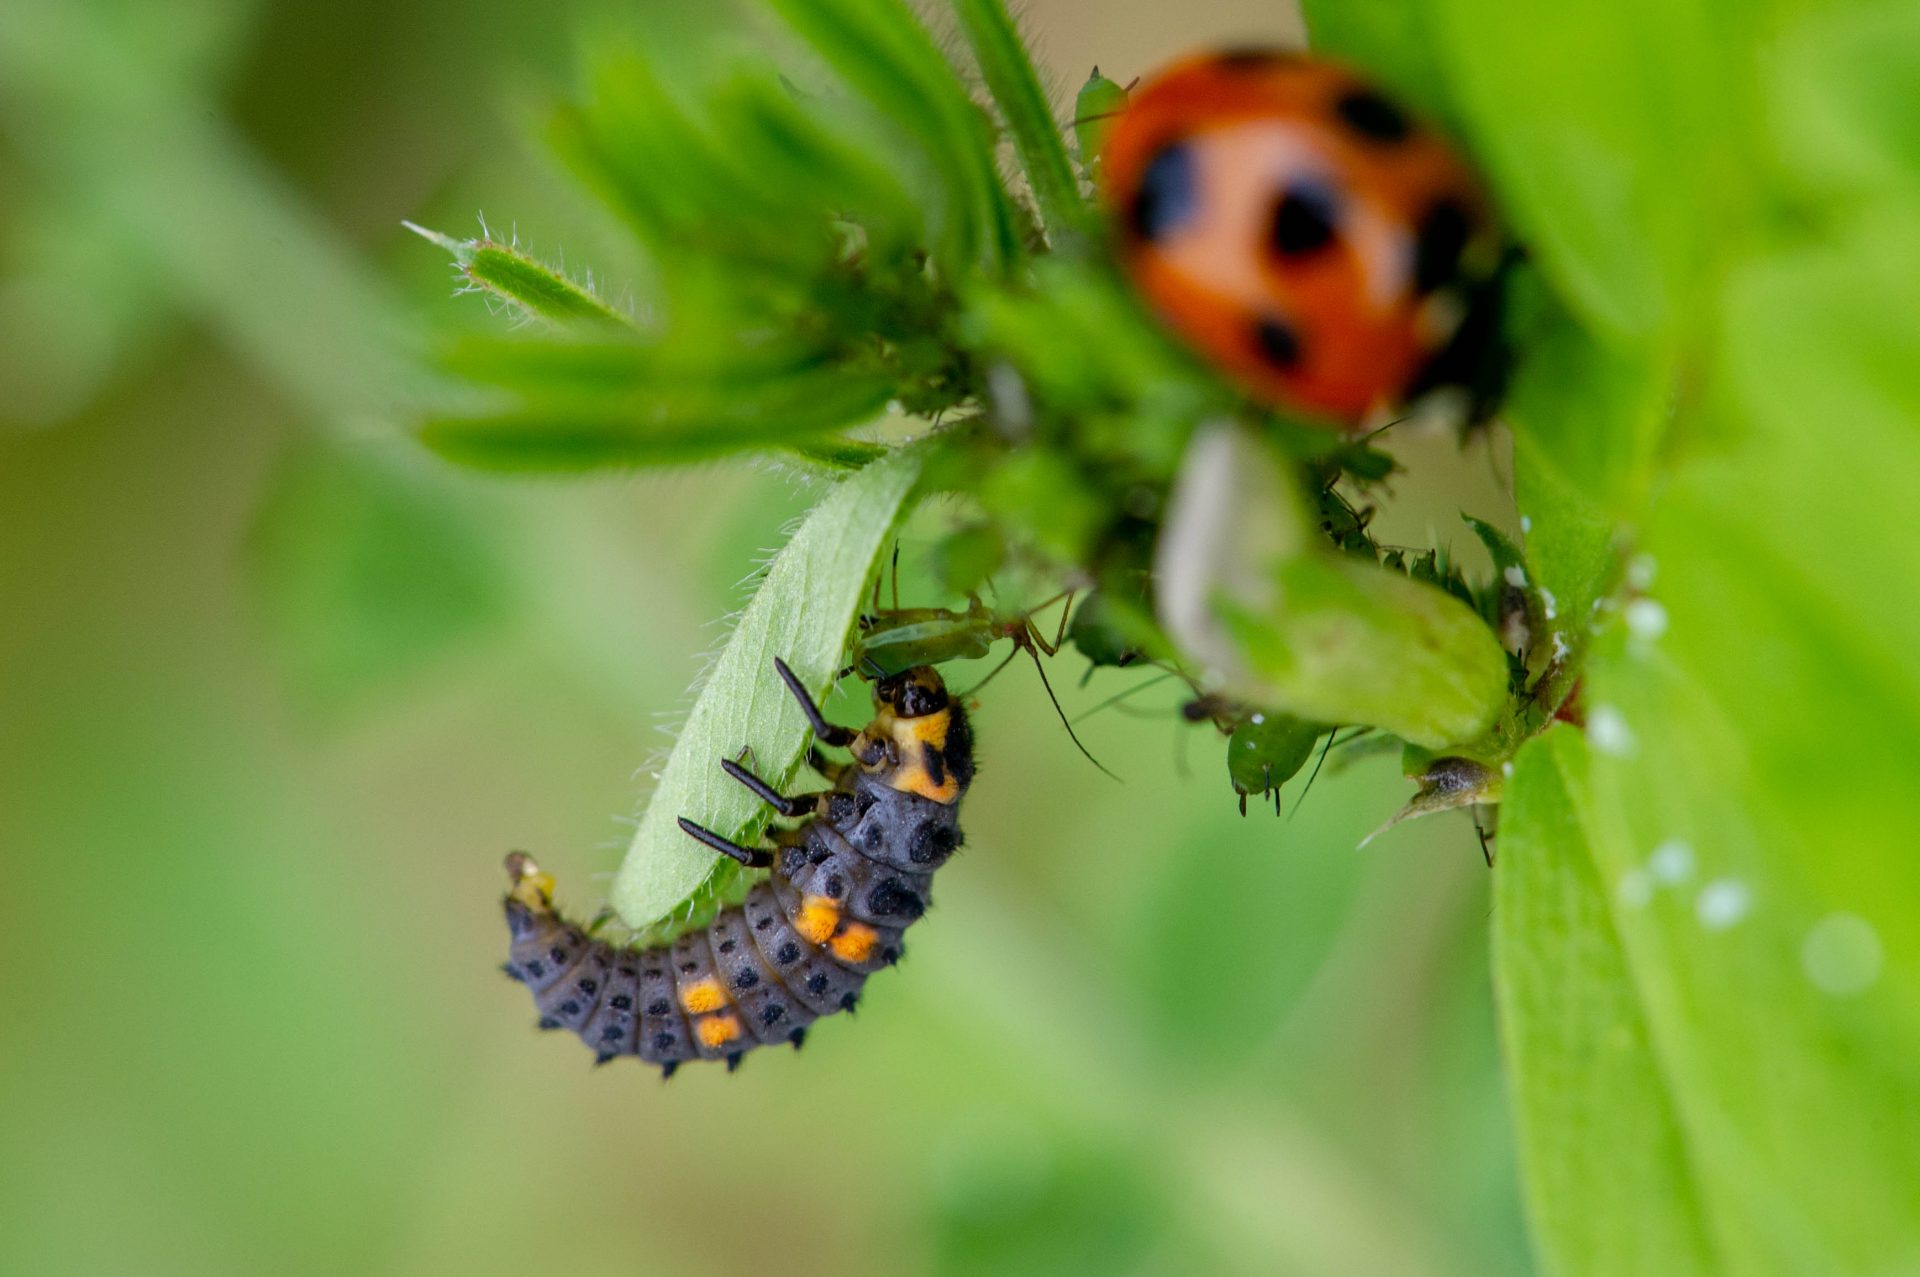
point(1267, 750)
point(1100, 100)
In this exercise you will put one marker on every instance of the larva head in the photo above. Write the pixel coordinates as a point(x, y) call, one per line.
point(918, 741)
point(912, 693)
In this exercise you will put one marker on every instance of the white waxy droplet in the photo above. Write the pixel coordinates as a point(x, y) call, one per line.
point(1722, 903)
point(1516, 576)
point(1671, 862)
point(1526, 525)
point(1842, 954)
point(1609, 732)
point(1646, 620)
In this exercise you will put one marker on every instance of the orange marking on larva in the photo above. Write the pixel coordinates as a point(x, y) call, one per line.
point(819, 917)
point(717, 1030)
point(703, 996)
point(913, 738)
point(855, 943)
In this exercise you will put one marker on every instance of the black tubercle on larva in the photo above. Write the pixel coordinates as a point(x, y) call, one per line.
point(846, 881)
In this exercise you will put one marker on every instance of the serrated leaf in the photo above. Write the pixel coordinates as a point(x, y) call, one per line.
point(802, 613)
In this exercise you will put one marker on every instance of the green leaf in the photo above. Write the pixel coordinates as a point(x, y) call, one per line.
point(1741, 829)
point(563, 436)
point(802, 613)
point(1844, 110)
point(530, 286)
point(1291, 624)
point(1604, 1157)
point(886, 56)
point(1390, 40)
point(1023, 105)
point(1621, 137)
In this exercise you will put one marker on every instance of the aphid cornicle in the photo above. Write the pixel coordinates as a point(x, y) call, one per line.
point(846, 882)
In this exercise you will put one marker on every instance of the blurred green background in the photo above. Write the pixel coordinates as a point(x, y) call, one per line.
point(277, 691)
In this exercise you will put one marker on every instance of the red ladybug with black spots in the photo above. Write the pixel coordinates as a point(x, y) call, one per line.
point(1306, 235)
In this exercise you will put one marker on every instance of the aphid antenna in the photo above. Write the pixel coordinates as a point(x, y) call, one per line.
point(1041, 670)
point(1127, 694)
point(1025, 641)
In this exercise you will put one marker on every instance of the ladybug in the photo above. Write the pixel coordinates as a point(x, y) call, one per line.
point(1306, 235)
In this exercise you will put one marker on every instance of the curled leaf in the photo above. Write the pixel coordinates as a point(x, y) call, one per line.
point(802, 613)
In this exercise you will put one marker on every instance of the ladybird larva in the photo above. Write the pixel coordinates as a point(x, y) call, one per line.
point(846, 883)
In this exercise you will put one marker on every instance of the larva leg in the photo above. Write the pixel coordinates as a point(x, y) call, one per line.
point(828, 733)
point(798, 805)
point(751, 857)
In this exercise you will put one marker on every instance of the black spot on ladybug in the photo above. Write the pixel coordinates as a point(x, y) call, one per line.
point(1372, 116)
point(1276, 343)
point(788, 955)
point(772, 1013)
point(548, 1022)
point(688, 968)
point(817, 984)
point(1250, 59)
point(536, 968)
point(792, 860)
point(1167, 196)
point(834, 887)
point(819, 856)
point(726, 946)
point(556, 955)
point(891, 898)
point(569, 1008)
point(874, 839)
point(1442, 236)
point(1303, 221)
point(659, 1006)
point(863, 802)
point(841, 809)
point(664, 1042)
point(746, 979)
point(586, 985)
point(612, 1033)
point(620, 1002)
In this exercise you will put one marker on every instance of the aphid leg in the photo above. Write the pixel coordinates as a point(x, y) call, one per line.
point(827, 733)
point(751, 857)
point(1486, 838)
point(896, 575)
point(798, 805)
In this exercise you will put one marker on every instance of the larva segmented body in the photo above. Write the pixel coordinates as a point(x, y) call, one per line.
point(846, 883)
